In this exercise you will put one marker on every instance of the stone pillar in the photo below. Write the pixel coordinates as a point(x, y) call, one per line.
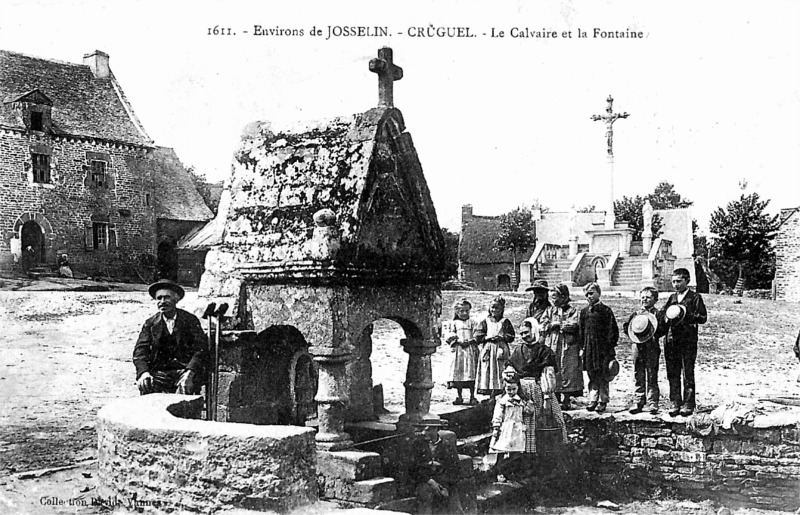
point(573, 246)
point(331, 398)
point(647, 242)
point(419, 381)
point(525, 275)
point(647, 229)
point(610, 220)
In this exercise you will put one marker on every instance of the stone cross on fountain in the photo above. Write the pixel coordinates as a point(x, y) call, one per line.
point(610, 117)
point(387, 72)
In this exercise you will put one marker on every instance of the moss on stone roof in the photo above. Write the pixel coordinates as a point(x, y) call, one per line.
point(351, 166)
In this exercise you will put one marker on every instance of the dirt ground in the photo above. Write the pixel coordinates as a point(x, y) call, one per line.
point(67, 353)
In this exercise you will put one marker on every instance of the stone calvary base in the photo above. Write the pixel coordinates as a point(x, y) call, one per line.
point(325, 229)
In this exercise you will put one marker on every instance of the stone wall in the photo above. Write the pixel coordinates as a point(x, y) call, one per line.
point(787, 250)
point(66, 206)
point(485, 275)
point(153, 450)
point(759, 468)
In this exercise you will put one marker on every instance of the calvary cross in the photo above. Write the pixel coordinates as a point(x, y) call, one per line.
point(609, 118)
point(387, 72)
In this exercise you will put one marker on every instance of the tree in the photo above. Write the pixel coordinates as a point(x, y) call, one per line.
point(744, 241)
point(451, 249)
point(205, 189)
point(629, 209)
point(665, 197)
point(516, 233)
point(586, 209)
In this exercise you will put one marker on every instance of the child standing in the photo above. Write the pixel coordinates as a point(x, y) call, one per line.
point(682, 313)
point(460, 337)
point(508, 428)
point(599, 334)
point(643, 329)
point(493, 335)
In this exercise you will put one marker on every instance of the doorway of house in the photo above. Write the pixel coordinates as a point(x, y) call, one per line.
point(33, 237)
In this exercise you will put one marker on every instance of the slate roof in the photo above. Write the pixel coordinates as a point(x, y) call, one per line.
point(211, 233)
point(82, 104)
point(176, 198)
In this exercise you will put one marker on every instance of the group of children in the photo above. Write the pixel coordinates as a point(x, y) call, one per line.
point(576, 341)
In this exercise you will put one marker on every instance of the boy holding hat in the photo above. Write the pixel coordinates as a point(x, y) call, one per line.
point(682, 313)
point(644, 330)
point(170, 353)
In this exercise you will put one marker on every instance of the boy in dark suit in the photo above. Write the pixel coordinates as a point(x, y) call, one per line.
point(682, 313)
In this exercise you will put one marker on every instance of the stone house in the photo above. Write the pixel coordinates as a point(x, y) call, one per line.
point(478, 261)
point(787, 250)
point(180, 211)
point(78, 172)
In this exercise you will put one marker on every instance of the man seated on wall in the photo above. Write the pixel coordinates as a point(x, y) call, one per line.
point(170, 353)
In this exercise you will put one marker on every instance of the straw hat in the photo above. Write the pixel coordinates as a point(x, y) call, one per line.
point(642, 327)
point(613, 370)
point(676, 312)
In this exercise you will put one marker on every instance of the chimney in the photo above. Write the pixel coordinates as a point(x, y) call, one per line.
point(98, 62)
point(466, 211)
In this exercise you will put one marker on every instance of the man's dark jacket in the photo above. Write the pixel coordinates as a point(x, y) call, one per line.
point(685, 331)
point(185, 348)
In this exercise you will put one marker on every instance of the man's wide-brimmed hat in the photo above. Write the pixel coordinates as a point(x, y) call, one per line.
point(538, 284)
point(612, 370)
point(642, 327)
point(676, 312)
point(166, 284)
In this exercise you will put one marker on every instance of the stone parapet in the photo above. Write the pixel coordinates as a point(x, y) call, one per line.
point(155, 449)
point(760, 466)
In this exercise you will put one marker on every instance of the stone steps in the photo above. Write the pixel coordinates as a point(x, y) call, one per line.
point(552, 270)
point(628, 273)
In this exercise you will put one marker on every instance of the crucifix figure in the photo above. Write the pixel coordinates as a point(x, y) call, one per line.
point(609, 118)
point(387, 72)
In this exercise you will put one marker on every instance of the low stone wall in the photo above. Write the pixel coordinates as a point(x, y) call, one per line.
point(155, 450)
point(760, 468)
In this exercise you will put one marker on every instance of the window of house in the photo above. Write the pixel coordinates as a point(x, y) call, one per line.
point(100, 235)
point(41, 167)
point(146, 199)
point(99, 178)
point(37, 123)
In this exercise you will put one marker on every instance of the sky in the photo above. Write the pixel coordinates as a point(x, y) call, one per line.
point(712, 88)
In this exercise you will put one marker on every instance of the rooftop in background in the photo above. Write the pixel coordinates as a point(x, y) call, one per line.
point(87, 101)
point(176, 197)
